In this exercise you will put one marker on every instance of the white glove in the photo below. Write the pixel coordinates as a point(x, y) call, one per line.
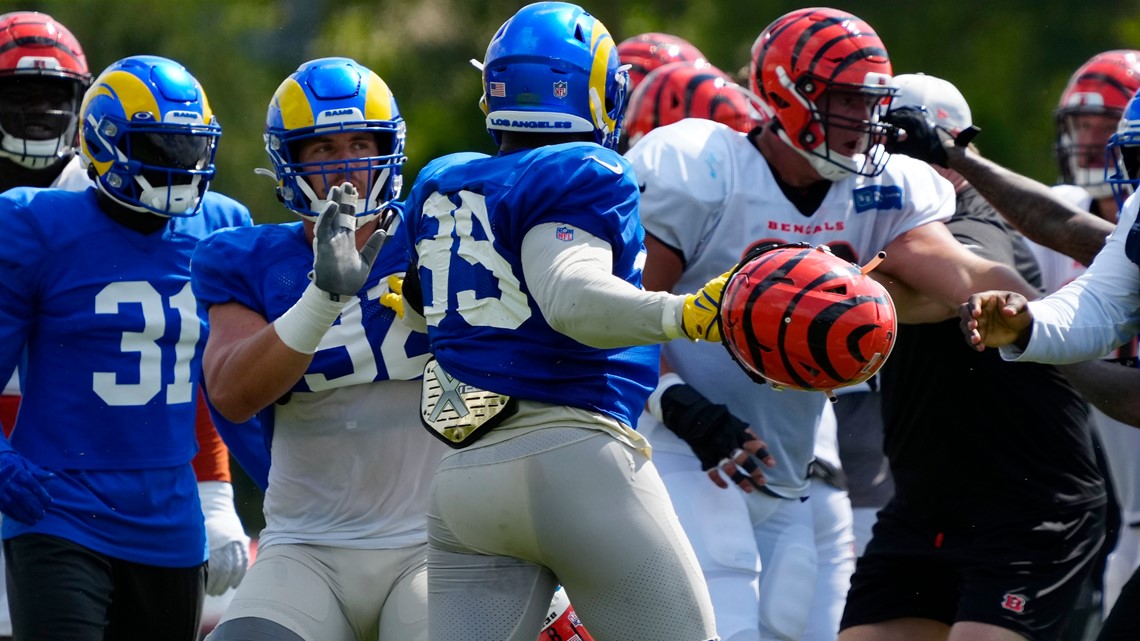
point(229, 546)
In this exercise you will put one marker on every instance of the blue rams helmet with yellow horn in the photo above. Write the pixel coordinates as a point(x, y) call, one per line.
point(330, 96)
point(148, 137)
point(554, 68)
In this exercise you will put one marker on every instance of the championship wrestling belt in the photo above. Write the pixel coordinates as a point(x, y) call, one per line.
point(457, 413)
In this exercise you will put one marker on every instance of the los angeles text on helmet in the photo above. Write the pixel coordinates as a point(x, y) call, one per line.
point(531, 124)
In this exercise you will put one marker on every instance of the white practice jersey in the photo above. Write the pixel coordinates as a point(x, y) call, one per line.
point(322, 491)
point(709, 194)
point(72, 178)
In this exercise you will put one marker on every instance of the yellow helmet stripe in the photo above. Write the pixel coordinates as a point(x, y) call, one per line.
point(378, 97)
point(296, 112)
point(602, 44)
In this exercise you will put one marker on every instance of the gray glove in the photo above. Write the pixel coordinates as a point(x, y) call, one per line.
point(338, 269)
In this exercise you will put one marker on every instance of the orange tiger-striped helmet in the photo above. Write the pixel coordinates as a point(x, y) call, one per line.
point(800, 317)
point(682, 90)
point(648, 51)
point(827, 77)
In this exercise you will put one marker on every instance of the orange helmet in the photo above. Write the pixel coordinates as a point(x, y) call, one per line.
point(800, 317)
point(1101, 86)
point(681, 90)
point(647, 51)
point(43, 74)
point(806, 66)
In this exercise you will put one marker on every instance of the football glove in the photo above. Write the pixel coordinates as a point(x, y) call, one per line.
point(700, 316)
point(225, 535)
point(22, 493)
point(915, 134)
point(711, 430)
point(338, 269)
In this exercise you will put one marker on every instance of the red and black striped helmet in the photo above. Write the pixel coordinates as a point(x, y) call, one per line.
point(682, 90)
point(800, 317)
point(811, 54)
point(43, 74)
point(1102, 86)
point(647, 51)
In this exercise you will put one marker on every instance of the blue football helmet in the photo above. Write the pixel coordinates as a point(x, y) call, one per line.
point(1122, 165)
point(554, 68)
point(149, 137)
point(332, 96)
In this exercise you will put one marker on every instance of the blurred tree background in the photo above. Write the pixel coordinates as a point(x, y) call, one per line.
point(1011, 59)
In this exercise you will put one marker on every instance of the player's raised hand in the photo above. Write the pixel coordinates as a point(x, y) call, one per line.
point(339, 269)
point(994, 319)
point(22, 493)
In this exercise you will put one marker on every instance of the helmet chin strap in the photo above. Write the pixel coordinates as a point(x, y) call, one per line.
point(827, 169)
point(1093, 181)
point(32, 154)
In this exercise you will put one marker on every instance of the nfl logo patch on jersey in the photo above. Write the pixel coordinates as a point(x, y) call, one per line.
point(560, 89)
point(877, 197)
point(564, 233)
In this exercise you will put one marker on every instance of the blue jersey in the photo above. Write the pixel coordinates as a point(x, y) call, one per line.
point(114, 340)
point(265, 268)
point(467, 216)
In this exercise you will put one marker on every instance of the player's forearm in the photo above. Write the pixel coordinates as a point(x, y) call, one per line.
point(246, 365)
point(1033, 208)
point(1110, 387)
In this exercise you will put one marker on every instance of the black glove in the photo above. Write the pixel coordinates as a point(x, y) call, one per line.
point(711, 430)
point(914, 133)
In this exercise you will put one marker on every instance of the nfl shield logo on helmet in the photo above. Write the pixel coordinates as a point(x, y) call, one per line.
point(564, 233)
point(560, 89)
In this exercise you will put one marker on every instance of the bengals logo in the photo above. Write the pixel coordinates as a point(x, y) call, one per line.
point(1014, 602)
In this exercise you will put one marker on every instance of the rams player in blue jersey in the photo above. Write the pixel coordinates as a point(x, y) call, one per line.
point(103, 528)
point(343, 555)
point(528, 274)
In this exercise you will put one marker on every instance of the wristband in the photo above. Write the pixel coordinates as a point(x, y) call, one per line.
point(667, 380)
point(672, 315)
point(303, 326)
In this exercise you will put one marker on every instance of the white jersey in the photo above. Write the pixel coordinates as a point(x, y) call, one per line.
point(322, 491)
point(72, 178)
point(1092, 315)
point(709, 194)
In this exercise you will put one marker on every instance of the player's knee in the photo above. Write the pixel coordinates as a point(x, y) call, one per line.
point(252, 629)
point(787, 586)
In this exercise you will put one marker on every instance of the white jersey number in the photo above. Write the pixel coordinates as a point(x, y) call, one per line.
point(456, 232)
point(146, 344)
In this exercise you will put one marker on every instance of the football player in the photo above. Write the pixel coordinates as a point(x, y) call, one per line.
point(814, 174)
point(528, 268)
point(1087, 318)
point(1087, 114)
point(669, 94)
point(344, 550)
point(103, 525)
point(43, 74)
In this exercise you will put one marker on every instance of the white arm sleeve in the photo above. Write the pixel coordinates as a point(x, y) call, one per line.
point(574, 286)
point(1092, 315)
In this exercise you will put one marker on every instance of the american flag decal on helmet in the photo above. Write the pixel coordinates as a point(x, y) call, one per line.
point(498, 90)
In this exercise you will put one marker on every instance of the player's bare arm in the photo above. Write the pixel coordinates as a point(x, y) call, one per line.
point(1032, 207)
point(930, 261)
